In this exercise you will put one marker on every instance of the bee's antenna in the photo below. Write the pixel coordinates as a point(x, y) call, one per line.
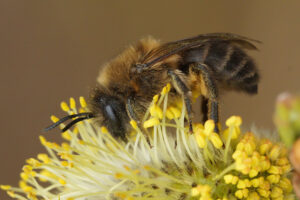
point(69, 125)
point(62, 120)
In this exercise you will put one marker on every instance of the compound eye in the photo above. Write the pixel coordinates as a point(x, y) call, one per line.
point(115, 119)
point(110, 112)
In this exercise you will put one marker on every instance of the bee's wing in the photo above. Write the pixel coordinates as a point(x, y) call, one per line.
point(166, 50)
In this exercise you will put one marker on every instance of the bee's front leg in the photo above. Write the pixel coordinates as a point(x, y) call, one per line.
point(182, 88)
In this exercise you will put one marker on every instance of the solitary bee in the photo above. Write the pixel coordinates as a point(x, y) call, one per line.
point(200, 65)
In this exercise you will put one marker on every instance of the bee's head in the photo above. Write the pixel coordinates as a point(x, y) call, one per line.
point(110, 112)
point(107, 109)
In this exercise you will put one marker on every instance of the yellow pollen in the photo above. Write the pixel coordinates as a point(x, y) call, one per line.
point(253, 196)
point(133, 124)
point(104, 129)
point(81, 110)
point(33, 162)
point(176, 112)
point(253, 173)
point(285, 184)
point(169, 114)
point(27, 169)
point(275, 170)
point(156, 111)
point(54, 119)
point(65, 156)
point(43, 140)
point(273, 178)
point(147, 167)
point(240, 194)
point(216, 140)
point(82, 142)
point(255, 182)
point(72, 103)
point(11, 194)
point(282, 161)
point(263, 193)
point(200, 139)
point(151, 122)
point(5, 187)
point(276, 192)
point(65, 146)
point(65, 163)
point(234, 121)
point(119, 175)
point(265, 146)
point(62, 181)
point(24, 176)
point(234, 135)
point(231, 179)
point(209, 126)
point(155, 98)
point(120, 195)
point(82, 102)
point(64, 106)
point(166, 89)
point(66, 135)
point(44, 157)
point(25, 187)
point(274, 153)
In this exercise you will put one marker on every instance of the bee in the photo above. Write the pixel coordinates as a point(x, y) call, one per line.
point(201, 65)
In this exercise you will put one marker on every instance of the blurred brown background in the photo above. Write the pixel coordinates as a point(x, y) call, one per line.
point(51, 50)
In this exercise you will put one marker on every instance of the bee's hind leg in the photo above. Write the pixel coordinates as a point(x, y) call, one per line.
point(182, 88)
point(212, 93)
point(204, 108)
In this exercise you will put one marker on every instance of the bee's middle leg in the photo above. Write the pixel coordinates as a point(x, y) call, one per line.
point(213, 105)
point(182, 88)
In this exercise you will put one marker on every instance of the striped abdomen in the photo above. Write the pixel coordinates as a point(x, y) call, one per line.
point(229, 63)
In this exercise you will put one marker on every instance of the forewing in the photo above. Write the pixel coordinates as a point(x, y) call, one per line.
point(168, 49)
